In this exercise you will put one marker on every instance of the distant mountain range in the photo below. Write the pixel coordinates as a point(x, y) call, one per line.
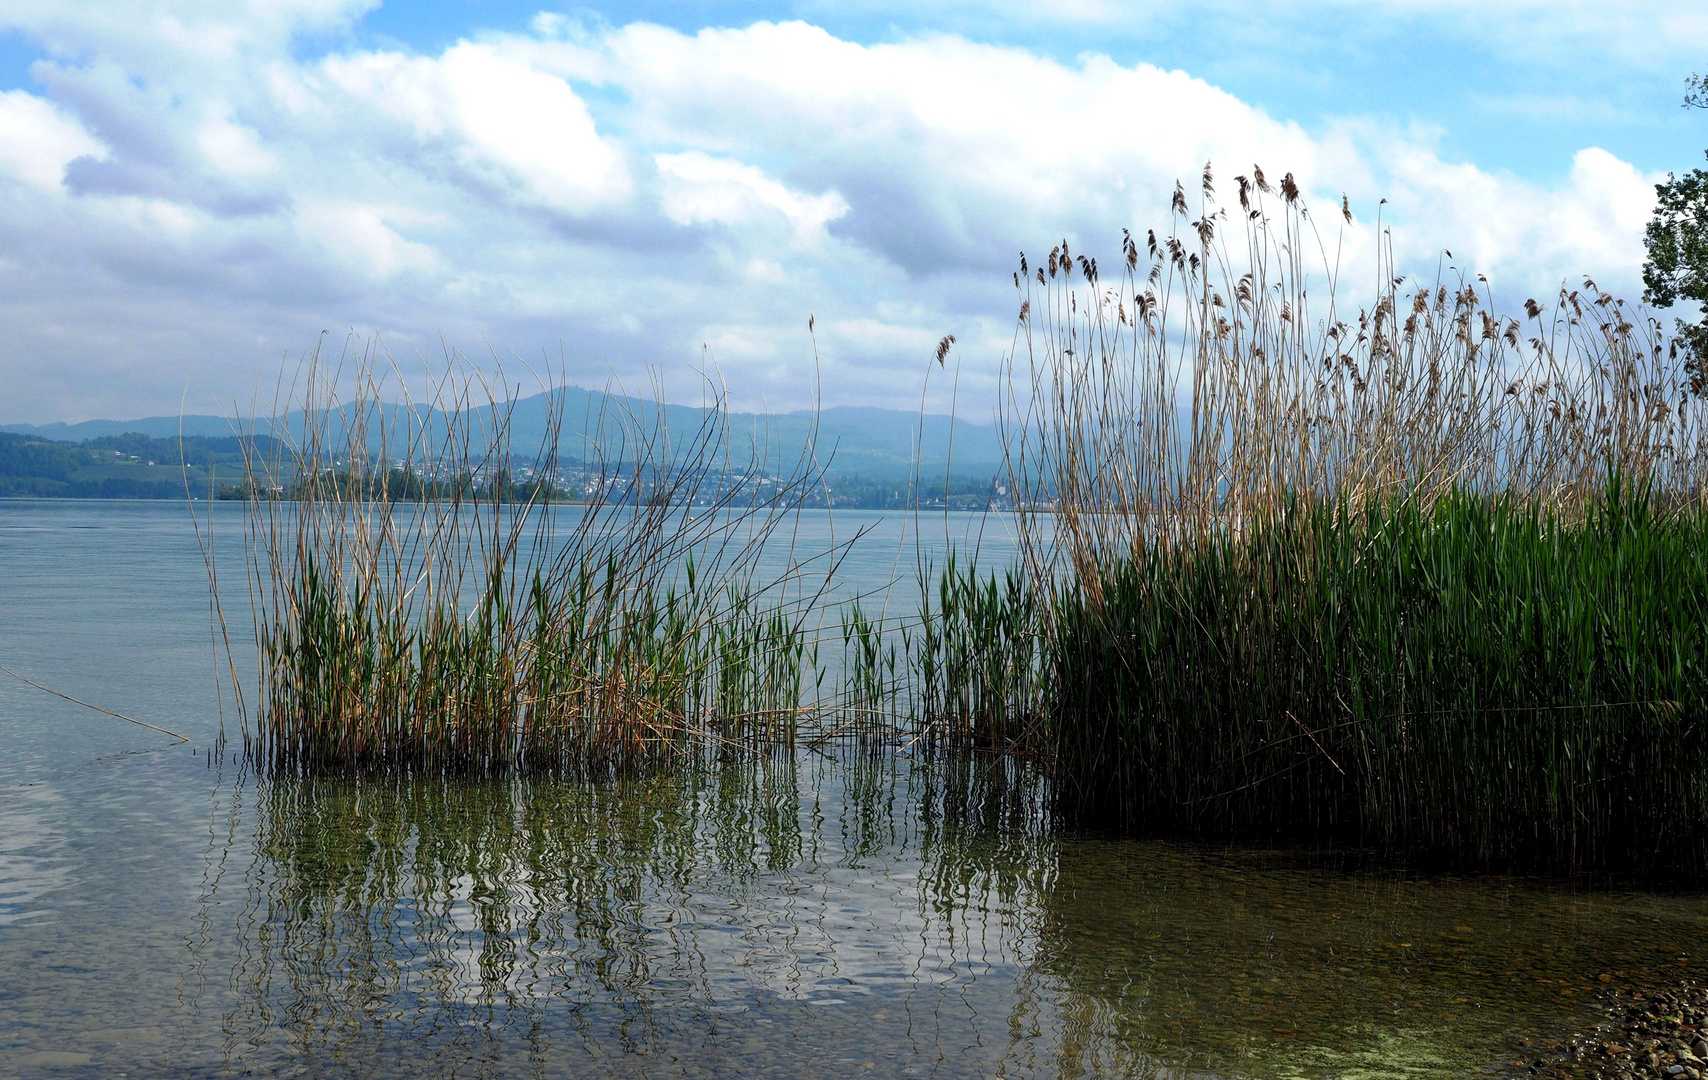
point(852, 441)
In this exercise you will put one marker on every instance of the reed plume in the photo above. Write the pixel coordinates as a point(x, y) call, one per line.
point(1414, 574)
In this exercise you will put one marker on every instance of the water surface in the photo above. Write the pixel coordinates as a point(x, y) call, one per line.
point(819, 914)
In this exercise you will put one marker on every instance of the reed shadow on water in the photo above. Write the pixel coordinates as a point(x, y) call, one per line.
point(760, 915)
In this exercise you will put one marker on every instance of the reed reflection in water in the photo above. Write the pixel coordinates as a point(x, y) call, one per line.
point(779, 915)
point(853, 914)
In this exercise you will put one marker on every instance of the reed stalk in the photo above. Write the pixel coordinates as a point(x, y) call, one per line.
point(417, 606)
point(1414, 576)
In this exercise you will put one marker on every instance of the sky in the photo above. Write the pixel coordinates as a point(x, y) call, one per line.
point(193, 193)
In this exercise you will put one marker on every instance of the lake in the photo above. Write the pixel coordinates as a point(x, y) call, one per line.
point(830, 912)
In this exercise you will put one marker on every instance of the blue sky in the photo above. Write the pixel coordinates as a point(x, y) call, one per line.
point(191, 190)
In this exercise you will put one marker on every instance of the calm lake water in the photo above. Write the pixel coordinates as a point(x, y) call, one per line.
point(164, 912)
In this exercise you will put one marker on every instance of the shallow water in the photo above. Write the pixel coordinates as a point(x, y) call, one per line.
point(819, 914)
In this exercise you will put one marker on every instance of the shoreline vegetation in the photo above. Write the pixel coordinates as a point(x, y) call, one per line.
point(129, 466)
point(137, 466)
point(1411, 576)
point(1414, 576)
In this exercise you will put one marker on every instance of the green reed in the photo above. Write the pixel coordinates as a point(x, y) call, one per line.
point(963, 671)
point(473, 625)
point(1414, 575)
point(416, 607)
point(977, 658)
point(1479, 679)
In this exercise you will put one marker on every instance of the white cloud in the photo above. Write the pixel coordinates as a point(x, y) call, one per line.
point(632, 192)
point(503, 115)
point(234, 149)
point(950, 154)
point(699, 188)
point(160, 38)
point(945, 151)
point(881, 336)
point(1524, 238)
point(159, 221)
point(361, 235)
point(37, 141)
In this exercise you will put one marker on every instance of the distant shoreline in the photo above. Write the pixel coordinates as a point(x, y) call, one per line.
point(136, 466)
point(180, 498)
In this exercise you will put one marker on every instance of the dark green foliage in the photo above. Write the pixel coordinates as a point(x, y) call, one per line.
point(1677, 267)
point(400, 485)
point(128, 466)
point(1478, 681)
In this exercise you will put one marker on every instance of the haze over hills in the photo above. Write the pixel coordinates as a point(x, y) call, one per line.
point(852, 441)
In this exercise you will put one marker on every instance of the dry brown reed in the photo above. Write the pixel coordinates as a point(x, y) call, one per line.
point(1207, 382)
point(423, 596)
point(1415, 575)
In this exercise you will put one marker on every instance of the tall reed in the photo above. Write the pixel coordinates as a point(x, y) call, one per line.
point(1414, 575)
point(1207, 383)
point(460, 621)
point(1479, 680)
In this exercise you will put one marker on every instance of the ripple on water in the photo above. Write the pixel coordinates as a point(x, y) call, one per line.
point(34, 860)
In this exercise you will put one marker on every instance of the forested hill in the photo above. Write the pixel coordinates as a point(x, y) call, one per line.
point(135, 466)
point(129, 466)
point(849, 442)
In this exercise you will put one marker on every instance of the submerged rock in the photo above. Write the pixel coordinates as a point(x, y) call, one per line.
point(1648, 1035)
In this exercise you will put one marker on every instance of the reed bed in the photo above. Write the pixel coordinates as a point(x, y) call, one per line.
point(1478, 680)
point(1413, 575)
point(425, 597)
point(460, 621)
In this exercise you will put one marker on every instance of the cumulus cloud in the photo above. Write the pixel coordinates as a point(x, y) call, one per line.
point(37, 141)
point(947, 152)
point(364, 235)
point(631, 193)
point(500, 118)
point(1520, 236)
point(699, 188)
point(234, 149)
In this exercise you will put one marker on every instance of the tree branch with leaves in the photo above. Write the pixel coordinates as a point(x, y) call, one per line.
point(1677, 242)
